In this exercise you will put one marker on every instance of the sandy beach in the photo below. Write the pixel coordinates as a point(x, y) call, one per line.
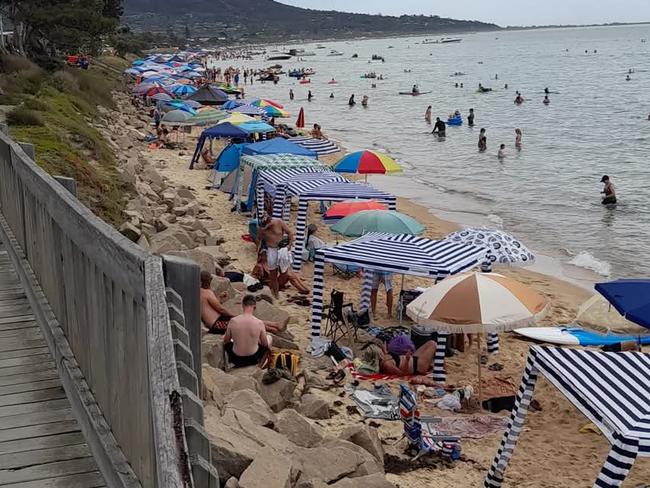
point(551, 452)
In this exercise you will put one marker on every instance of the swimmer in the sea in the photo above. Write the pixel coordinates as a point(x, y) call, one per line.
point(627, 78)
point(415, 90)
point(546, 100)
point(608, 190)
point(331, 95)
point(309, 96)
point(518, 138)
point(519, 99)
point(364, 101)
point(351, 102)
point(546, 90)
point(439, 128)
point(505, 87)
point(502, 151)
point(470, 118)
point(482, 141)
point(427, 115)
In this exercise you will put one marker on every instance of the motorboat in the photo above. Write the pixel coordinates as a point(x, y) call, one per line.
point(279, 57)
point(442, 40)
point(335, 53)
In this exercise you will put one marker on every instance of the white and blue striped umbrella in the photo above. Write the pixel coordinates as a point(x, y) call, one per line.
point(504, 249)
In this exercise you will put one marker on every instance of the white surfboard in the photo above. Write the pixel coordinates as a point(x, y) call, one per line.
point(553, 335)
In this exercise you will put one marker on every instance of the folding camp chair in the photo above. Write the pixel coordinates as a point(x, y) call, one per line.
point(421, 434)
point(345, 271)
point(338, 317)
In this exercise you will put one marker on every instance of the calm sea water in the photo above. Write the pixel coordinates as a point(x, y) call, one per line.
point(547, 193)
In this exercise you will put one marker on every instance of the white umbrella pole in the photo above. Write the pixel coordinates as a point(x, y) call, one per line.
point(478, 357)
point(399, 300)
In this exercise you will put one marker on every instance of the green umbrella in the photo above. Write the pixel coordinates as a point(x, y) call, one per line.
point(207, 117)
point(175, 117)
point(387, 221)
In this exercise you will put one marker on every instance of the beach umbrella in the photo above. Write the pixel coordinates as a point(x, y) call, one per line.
point(183, 90)
point(194, 104)
point(598, 314)
point(247, 110)
point(385, 221)
point(343, 209)
point(232, 104)
point(132, 71)
point(162, 97)
point(367, 162)
point(179, 105)
point(176, 117)
point(504, 249)
point(209, 116)
point(265, 102)
point(272, 111)
point(630, 297)
point(477, 303)
point(155, 90)
point(238, 119)
point(300, 123)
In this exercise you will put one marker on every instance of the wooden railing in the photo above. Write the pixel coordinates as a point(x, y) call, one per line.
point(108, 297)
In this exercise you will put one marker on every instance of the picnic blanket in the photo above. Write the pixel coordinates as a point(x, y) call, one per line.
point(471, 426)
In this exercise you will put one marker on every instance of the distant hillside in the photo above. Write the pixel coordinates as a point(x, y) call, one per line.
point(252, 20)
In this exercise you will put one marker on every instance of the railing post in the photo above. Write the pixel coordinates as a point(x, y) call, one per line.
point(68, 183)
point(184, 276)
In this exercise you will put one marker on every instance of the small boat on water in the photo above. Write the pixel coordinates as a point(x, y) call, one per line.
point(279, 57)
point(377, 57)
point(320, 46)
point(442, 40)
point(335, 53)
point(414, 94)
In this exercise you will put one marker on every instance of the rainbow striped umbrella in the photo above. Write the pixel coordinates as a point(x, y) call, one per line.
point(272, 111)
point(367, 162)
point(265, 102)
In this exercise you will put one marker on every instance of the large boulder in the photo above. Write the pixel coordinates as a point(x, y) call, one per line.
point(203, 259)
point(213, 352)
point(367, 465)
point(326, 464)
point(130, 231)
point(230, 383)
point(365, 437)
point(313, 407)
point(162, 243)
point(185, 193)
point(222, 286)
point(217, 253)
point(278, 394)
point(153, 178)
point(267, 471)
point(251, 403)
point(377, 480)
point(298, 429)
point(231, 483)
point(211, 392)
point(236, 441)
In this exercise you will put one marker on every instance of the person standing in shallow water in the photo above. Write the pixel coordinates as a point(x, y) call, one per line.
point(608, 190)
point(427, 115)
point(291, 95)
point(470, 118)
point(518, 138)
point(482, 141)
point(351, 102)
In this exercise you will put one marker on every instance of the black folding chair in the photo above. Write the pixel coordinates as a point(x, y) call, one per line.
point(340, 317)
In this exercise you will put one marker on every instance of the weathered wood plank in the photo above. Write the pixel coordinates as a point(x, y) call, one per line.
point(25, 387)
point(36, 418)
point(27, 332)
point(25, 353)
point(38, 431)
point(32, 396)
point(17, 344)
point(25, 408)
point(32, 443)
point(84, 480)
point(25, 378)
point(49, 470)
point(18, 325)
point(17, 311)
point(28, 317)
point(27, 368)
point(20, 460)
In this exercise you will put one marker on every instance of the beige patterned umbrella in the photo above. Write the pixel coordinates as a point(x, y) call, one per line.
point(597, 313)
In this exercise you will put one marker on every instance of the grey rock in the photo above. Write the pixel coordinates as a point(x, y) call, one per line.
point(268, 470)
point(130, 231)
point(313, 407)
point(368, 464)
point(377, 480)
point(365, 437)
point(204, 260)
point(298, 428)
point(278, 394)
point(326, 464)
point(185, 193)
point(231, 483)
point(250, 402)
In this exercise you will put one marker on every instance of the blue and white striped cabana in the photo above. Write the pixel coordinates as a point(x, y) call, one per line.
point(274, 183)
point(336, 191)
point(611, 389)
point(393, 253)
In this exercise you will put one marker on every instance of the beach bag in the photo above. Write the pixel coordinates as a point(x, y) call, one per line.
point(285, 360)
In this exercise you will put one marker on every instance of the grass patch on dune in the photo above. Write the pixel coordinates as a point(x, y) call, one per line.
point(54, 112)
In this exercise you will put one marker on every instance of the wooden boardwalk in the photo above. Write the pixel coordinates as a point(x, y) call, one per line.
point(41, 445)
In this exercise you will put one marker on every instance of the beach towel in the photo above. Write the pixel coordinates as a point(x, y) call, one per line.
point(284, 260)
point(472, 426)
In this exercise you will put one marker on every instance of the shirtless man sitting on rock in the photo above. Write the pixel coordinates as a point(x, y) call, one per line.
point(246, 341)
point(272, 232)
point(215, 316)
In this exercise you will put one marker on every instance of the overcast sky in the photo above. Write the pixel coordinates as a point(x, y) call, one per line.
point(502, 12)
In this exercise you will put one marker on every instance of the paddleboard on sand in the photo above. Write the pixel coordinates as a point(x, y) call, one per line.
point(414, 94)
point(575, 336)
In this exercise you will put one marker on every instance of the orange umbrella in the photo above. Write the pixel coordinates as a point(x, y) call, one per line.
point(300, 123)
point(349, 207)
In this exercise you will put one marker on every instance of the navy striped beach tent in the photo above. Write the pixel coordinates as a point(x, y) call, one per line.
point(332, 191)
point(392, 253)
point(609, 388)
point(274, 183)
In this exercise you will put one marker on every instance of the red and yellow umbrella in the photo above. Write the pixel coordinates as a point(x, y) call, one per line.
point(349, 207)
point(367, 162)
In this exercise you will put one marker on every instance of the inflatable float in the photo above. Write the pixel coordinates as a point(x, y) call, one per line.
point(304, 82)
point(455, 121)
point(575, 336)
point(414, 94)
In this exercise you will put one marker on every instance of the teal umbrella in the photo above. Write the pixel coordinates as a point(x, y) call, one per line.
point(386, 221)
